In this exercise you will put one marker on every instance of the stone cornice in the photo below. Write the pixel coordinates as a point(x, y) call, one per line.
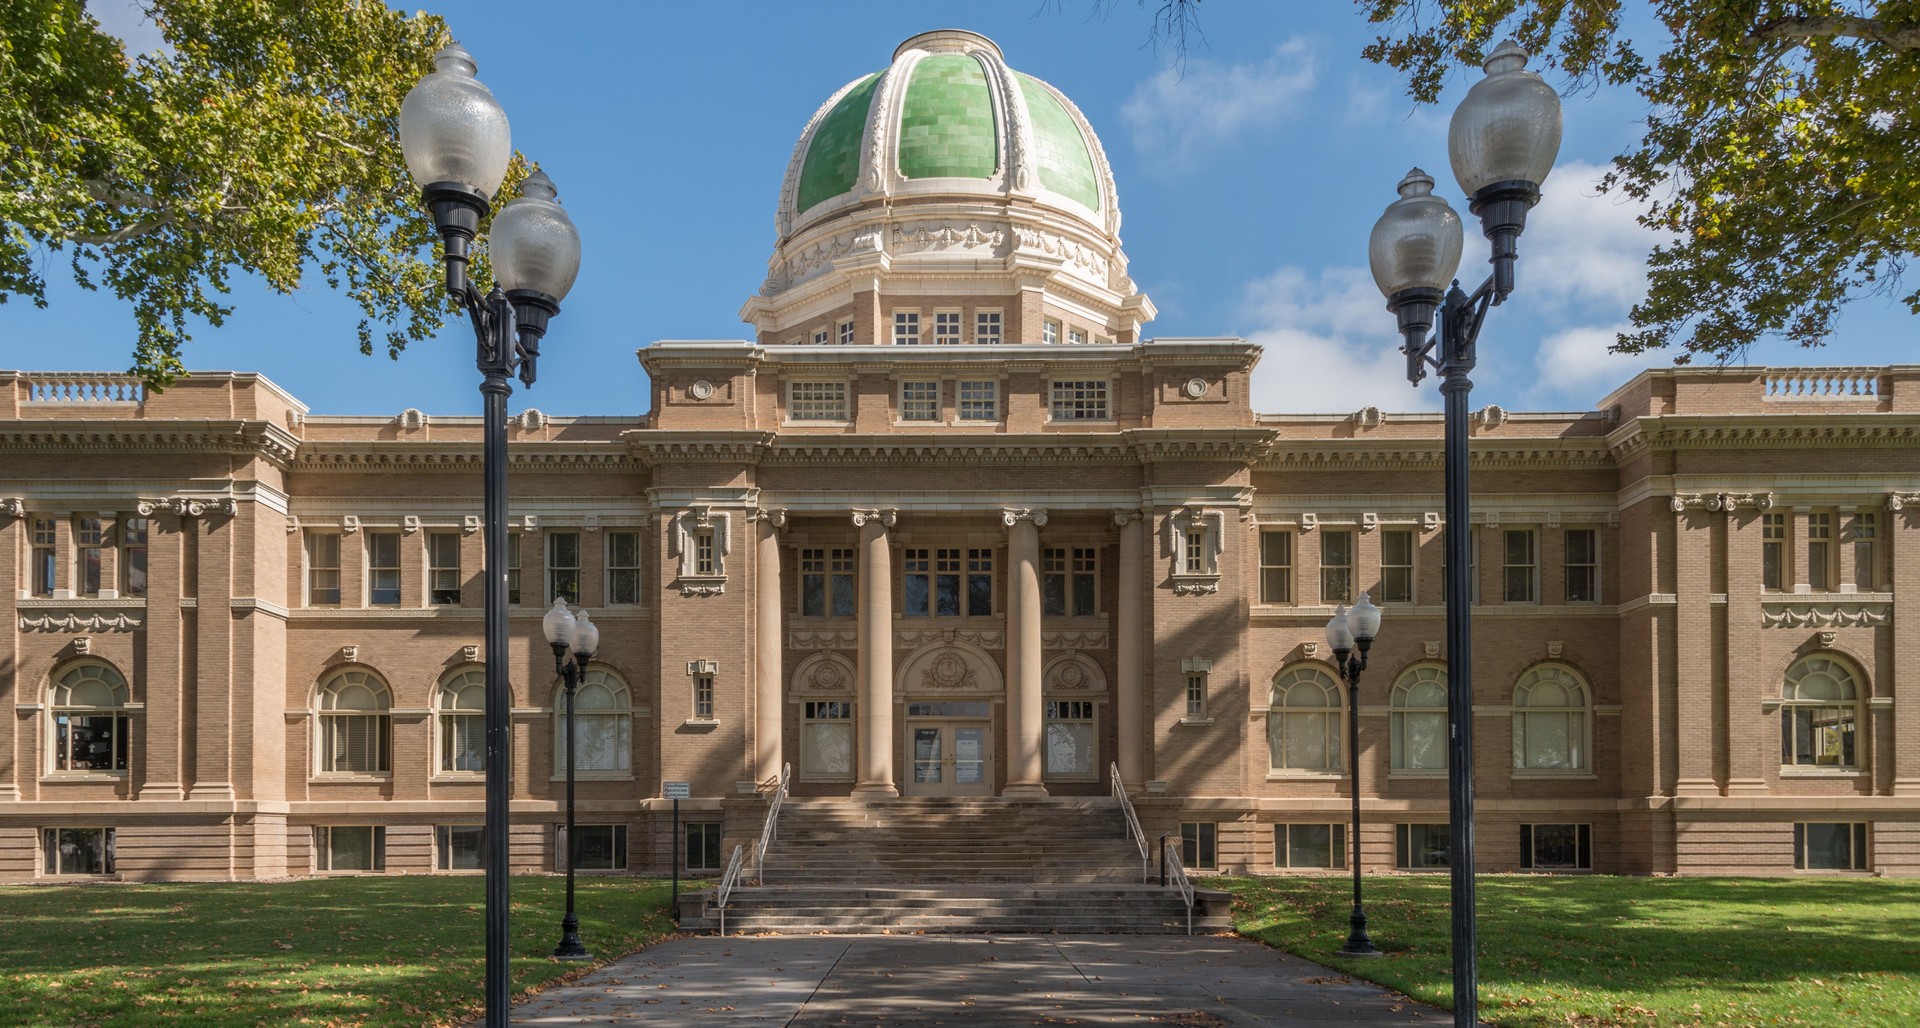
point(233, 437)
point(1763, 431)
point(1238, 445)
point(373, 456)
point(652, 447)
point(975, 450)
point(1345, 454)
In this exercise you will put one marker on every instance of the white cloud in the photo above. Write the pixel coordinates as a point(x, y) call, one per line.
point(1173, 114)
point(1330, 345)
point(1578, 359)
point(127, 20)
point(1583, 247)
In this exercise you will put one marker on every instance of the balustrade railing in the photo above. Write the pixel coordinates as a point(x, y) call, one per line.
point(724, 894)
point(1133, 823)
point(1822, 383)
point(1177, 877)
point(767, 829)
point(82, 387)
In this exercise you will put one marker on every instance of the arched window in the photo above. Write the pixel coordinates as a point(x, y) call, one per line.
point(1420, 719)
point(1303, 723)
point(355, 726)
point(1819, 709)
point(90, 723)
point(602, 721)
point(1550, 720)
point(462, 722)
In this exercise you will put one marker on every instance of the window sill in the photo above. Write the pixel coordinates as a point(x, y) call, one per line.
point(699, 724)
point(1197, 722)
point(1543, 774)
point(327, 779)
point(60, 777)
point(1794, 771)
point(456, 778)
point(1294, 776)
point(595, 776)
point(1426, 773)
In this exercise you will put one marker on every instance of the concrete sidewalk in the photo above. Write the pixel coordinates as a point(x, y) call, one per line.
point(969, 980)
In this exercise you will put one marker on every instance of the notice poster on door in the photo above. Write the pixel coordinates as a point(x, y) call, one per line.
point(969, 762)
point(926, 754)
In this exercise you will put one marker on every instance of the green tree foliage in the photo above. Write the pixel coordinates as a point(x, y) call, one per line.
point(262, 139)
point(1780, 148)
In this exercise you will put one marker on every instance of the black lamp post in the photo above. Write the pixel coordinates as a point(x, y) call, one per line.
point(565, 631)
point(1351, 629)
point(1503, 139)
point(456, 143)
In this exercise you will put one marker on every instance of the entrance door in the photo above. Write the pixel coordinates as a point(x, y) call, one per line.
point(950, 749)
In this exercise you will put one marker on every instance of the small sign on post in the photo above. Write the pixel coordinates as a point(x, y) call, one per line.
point(676, 791)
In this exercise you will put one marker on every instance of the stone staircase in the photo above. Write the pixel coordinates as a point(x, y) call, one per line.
point(953, 865)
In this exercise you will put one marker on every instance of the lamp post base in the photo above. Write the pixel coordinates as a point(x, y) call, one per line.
point(1358, 944)
point(571, 948)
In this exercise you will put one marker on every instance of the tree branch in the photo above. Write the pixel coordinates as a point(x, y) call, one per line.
point(146, 226)
point(1906, 37)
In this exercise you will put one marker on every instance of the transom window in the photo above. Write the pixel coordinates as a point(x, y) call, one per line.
point(1072, 742)
point(1819, 709)
point(826, 582)
point(1336, 566)
point(77, 851)
point(1309, 847)
point(1419, 708)
point(602, 724)
point(919, 401)
point(1303, 721)
point(906, 328)
point(1582, 555)
point(826, 738)
point(986, 328)
point(1276, 567)
point(91, 726)
point(355, 727)
point(623, 567)
point(383, 569)
point(1080, 400)
point(443, 568)
point(1396, 566)
point(462, 722)
point(1067, 581)
point(1556, 847)
point(323, 569)
point(1550, 720)
point(817, 401)
point(979, 401)
point(946, 328)
point(563, 567)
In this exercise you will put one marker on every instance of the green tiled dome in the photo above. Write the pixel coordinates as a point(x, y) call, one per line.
point(833, 162)
point(1060, 151)
point(947, 127)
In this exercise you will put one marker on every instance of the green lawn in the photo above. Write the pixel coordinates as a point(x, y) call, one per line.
point(1594, 951)
point(334, 951)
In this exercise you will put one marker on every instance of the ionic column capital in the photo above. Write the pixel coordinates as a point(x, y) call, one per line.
point(1124, 516)
point(885, 517)
point(1011, 516)
point(774, 516)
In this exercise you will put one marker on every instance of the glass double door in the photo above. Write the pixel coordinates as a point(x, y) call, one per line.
point(949, 750)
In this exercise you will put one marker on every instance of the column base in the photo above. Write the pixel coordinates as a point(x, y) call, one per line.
point(1024, 791)
point(1696, 787)
point(1748, 787)
point(875, 791)
point(1906, 787)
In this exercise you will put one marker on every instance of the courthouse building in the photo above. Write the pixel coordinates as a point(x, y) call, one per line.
point(950, 523)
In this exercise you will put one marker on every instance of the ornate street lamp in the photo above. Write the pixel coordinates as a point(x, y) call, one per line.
point(456, 143)
point(1503, 140)
point(1348, 630)
point(564, 632)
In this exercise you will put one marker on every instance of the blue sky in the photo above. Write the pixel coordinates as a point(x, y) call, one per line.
point(1247, 186)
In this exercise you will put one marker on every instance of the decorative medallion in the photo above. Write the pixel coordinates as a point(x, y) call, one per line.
point(701, 389)
point(948, 671)
point(1195, 388)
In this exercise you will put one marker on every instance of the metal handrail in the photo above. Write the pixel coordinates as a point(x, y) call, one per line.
point(1133, 824)
point(1177, 873)
point(773, 815)
point(727, 881)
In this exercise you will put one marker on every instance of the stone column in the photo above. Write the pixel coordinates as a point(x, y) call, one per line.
point(768, 647)
point(875, 696)
point(1127, 648)
point(1026, 724)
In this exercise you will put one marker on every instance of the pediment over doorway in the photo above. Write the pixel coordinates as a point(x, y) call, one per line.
point(949, 669)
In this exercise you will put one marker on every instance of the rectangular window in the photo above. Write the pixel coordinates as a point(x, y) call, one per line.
point(919, 401)
point(703, 846)
point(77, 851)
point(1197, 695)
point(443, 568)
point(1396, 566)
point(826, 738)
point(563, 567)
point(323, 569)
point(1839, 846)
point(90, 540)
point(932, 582)
point(1812, 735)
point(821, 337)
point(703, 562)
point(596, 847)
point(1195, 562)
point(383, 569)
point(1773, 551)
point(1556, 847)
point(986, 328)
point(1517, 566)
point(1077, 336)
point(979, 583)
point(458, 847)
point(1049, 330)
point(979, 401)
point(1865, 530)
point(1336, 566)
point(826, 582)
point(133, 556)
point(906, 328)
point(1276, 567)
point(1820, 551)
point(946, 328)
point(817, 401)
point(1197, 849)
point(1068, 581)
point(845, 332)
point(1079, 400)
point(1072, 741)
point(355, 743)
point(1421, 846)
point(1582, 565)
point(623, 567)
point(90, 742)
point(44, 536)
point(1310, 847)
point(703, 697)
point(513, 569)
point(354, 848)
